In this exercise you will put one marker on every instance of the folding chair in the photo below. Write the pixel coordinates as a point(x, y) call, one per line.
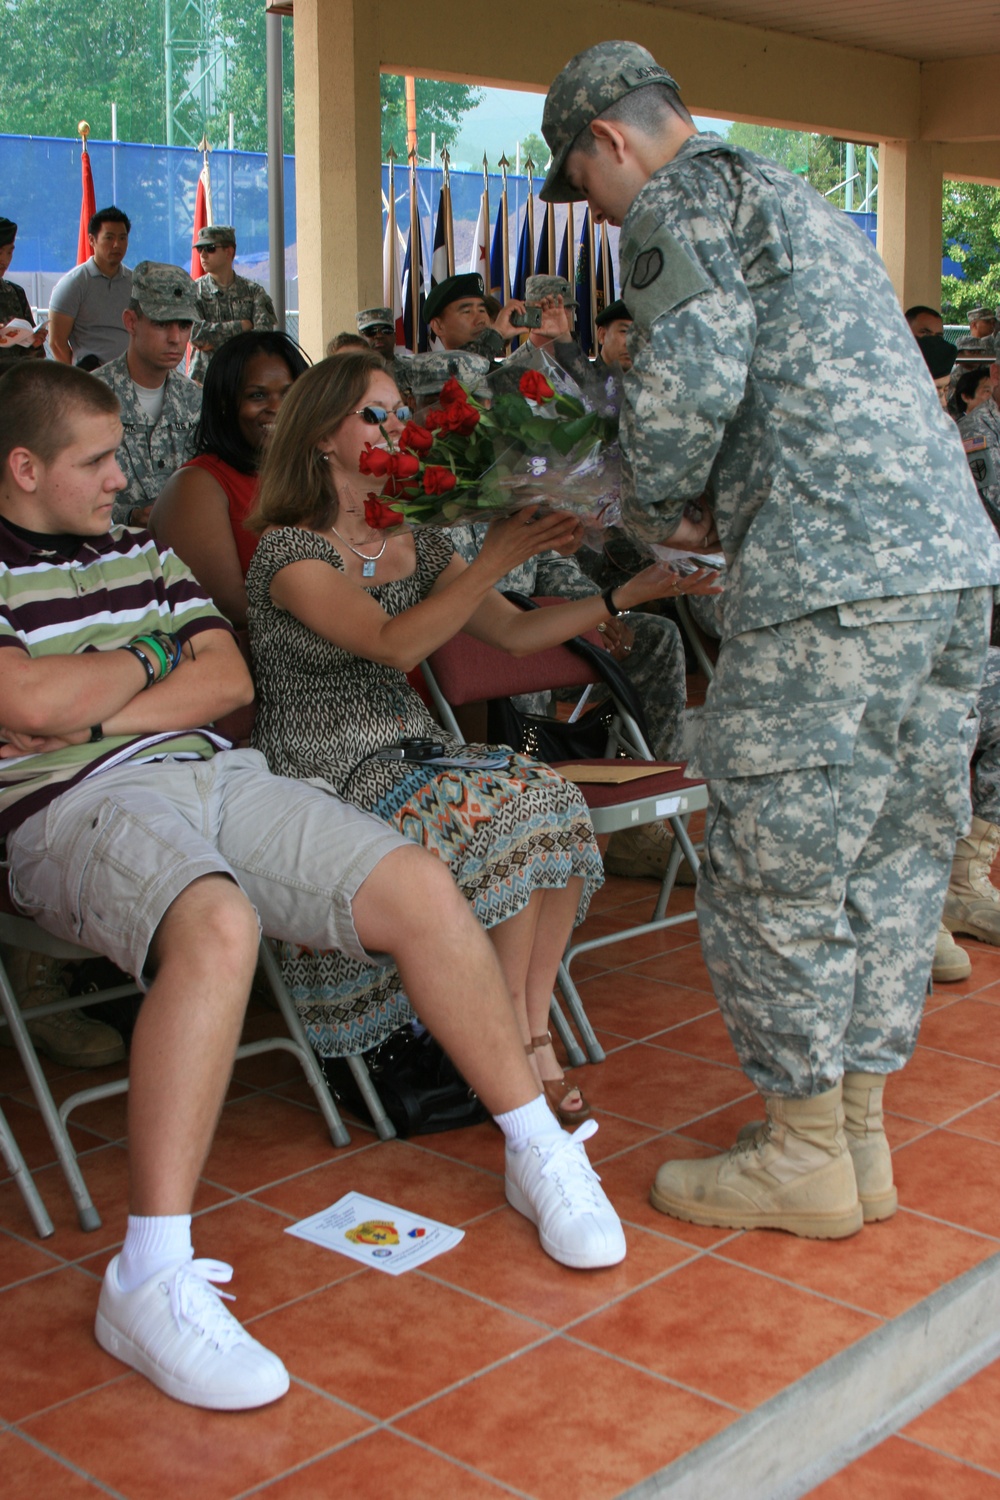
point(465, 670)
point(21, 932)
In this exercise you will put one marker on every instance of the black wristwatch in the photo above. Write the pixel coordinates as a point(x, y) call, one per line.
point(609, 603)
point(96, 733)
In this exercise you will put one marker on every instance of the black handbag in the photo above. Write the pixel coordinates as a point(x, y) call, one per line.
point(550, 739)
point(421, 1090)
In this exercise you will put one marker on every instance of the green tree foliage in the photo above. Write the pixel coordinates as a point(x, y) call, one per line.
point(971, 220)
point(440, 110)
point(821, 159)
point(534, 146)
point(244, 37)
point(66, 60)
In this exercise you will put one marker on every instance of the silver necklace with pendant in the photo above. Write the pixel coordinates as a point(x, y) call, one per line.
point(368, 570)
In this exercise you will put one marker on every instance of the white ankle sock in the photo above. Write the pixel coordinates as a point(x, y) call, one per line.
point(152, 1244)
point(528, 1122)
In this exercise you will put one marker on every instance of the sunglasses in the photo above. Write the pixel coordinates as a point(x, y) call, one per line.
point(376, 415)
point(207, 249)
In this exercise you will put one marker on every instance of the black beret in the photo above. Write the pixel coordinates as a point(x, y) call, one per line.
point(615, 312)
point(451, 290)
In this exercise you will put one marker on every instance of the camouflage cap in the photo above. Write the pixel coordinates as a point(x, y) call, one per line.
point(982, 315)
point(427, 373)
point(588, 85)
point(451, 289)
point(216, 234)
point(537, 287)
point(166, 294)
point(975, 351)
point(375, 317)
point(615, 312)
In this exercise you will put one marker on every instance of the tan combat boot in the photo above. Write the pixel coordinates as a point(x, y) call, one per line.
point(794, 1174)
point(867, 1142)
point(950, 962)
point(644, 853)
point(972, 903)
point(71, 1038)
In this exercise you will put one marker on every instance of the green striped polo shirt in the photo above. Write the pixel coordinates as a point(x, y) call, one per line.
point(107, 590)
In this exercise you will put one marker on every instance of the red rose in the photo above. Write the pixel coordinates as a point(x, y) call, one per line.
point(534, 387)
point(379, 515)
point(403, 465)
point(438, 481)
point(416, 439)
point(374, 461)
point(452, 393)
point(394, 488)
point(435, 419)
point(460, 418)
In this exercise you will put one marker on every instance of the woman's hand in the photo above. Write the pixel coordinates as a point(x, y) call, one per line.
point(662, 581)
point(618, 638)
point(526, 533)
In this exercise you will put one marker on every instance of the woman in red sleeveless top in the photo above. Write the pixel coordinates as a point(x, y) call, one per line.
point(201, 510)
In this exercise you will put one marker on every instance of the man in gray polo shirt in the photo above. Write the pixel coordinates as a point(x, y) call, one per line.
point(85, 310)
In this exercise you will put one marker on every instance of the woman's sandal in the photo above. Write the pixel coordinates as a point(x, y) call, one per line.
point(558, 1090)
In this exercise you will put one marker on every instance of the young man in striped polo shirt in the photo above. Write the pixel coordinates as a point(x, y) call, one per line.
point(132, 829)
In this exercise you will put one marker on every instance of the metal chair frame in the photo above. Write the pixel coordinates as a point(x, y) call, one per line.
point(452, 683)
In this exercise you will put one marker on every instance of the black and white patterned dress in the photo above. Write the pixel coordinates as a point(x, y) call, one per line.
point(321, 711)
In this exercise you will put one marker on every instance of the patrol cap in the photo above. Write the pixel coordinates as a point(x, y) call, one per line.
point(375, 317)
point(976, 351)
point(216, 234)
point(8, 229)
point(939, 354)
point(537, 287)
point(452, 289)
point(588, 85)
point(427, 373)
point(165, 294)
point(615, 312)
point(982, 315)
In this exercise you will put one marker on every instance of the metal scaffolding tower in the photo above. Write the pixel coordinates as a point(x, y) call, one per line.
point(194, 68)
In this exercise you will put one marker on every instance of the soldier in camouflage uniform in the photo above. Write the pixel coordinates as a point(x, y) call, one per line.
point(837, 730)
point(228, 304)
point(376, 327)
point(154, 444)
point(13, 300)
point(456, 314)
point(972, 902)
point(980, 430)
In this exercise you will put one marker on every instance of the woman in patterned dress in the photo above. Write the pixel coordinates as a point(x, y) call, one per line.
point(338, 614)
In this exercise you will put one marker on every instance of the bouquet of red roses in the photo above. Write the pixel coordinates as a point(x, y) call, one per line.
point(465, 461)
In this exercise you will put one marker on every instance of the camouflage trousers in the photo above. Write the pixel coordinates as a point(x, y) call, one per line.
point(655, 667)
point(837, 750)
point(986, 760)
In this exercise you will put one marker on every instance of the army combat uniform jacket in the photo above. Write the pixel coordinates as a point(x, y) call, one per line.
point(149, 454)
point(772, 369)
point(223, 309)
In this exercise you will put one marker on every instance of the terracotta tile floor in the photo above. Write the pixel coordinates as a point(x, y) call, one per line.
point(494, 1371)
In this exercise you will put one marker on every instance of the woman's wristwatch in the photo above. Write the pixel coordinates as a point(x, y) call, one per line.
point(610, 605)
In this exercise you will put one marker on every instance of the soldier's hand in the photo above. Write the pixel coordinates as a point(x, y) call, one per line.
point(555, 326)
point(502, 325)
point(696, 530)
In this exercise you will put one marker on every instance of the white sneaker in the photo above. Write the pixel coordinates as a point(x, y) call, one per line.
point(174, 1330)
point(553, 1184)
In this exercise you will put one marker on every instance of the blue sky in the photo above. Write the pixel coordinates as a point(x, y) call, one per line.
point(502, 119)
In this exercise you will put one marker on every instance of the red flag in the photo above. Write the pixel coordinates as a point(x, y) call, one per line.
point(88, 207)
point(202, 218)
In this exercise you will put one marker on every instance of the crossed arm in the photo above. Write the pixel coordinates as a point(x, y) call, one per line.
point(47, 702)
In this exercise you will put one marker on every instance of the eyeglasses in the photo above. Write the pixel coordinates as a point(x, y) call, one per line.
point(376, 415)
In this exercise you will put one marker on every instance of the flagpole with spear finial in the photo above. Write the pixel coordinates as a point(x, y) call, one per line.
point(504, 164)
point(449, 225)
point(529, 167)
point(389, 261)
point(87, 202)
point(416, 253)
